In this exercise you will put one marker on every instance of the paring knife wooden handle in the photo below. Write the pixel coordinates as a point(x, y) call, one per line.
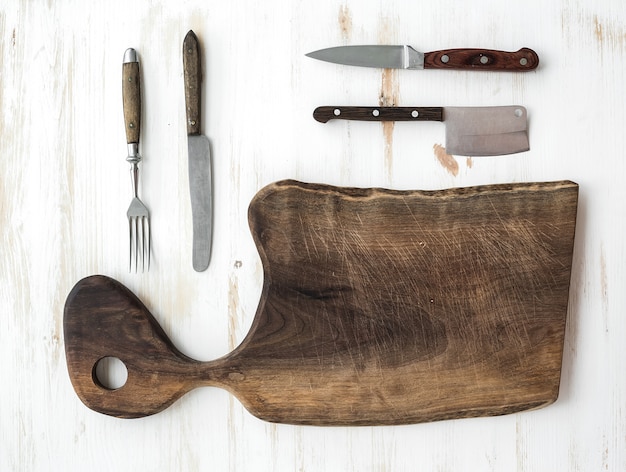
point(131, 96)
point(482, 59)
point(193, 80)
point(327, 113)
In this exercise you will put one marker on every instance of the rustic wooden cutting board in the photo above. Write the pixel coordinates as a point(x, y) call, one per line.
point(378, 307)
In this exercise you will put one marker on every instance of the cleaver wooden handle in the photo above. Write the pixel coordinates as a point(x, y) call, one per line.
point(482, 59)
point(327, 113)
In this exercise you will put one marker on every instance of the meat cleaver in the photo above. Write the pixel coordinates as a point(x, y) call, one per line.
point(199, 156)
point(470, 131)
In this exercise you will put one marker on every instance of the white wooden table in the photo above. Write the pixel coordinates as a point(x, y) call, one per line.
point(65, 188)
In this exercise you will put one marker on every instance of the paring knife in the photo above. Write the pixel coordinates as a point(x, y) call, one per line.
point(199, 156)
point(470, 131)
point(405, 57)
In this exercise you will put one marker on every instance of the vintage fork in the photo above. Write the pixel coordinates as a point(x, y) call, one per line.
point(138, 215)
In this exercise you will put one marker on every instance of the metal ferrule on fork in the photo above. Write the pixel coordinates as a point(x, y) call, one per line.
point(133, 153)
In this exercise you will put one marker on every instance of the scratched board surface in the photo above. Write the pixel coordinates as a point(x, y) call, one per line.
point(65, 190)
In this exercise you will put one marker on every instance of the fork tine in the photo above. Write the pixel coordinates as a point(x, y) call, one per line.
point(130, 244)
point(147, 239)
point(140, 242)
point(136, 243)
point(132, 241)
point(143, 244)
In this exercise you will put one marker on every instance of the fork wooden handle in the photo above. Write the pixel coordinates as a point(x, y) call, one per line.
point(131, 96)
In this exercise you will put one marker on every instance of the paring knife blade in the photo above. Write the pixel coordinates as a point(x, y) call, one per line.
point(470, 131)
point(405, 57)
point(200, 184)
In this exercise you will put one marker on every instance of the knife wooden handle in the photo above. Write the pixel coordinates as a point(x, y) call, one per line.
point(192, 71)
point(327, 113)
point(131, 96)
point(482, 59)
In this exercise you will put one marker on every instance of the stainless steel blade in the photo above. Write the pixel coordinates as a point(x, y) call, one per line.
point(200, 184)
point(382, 56)
point(486, 131)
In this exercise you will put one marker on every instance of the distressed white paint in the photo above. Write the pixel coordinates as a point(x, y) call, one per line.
point(64, 190)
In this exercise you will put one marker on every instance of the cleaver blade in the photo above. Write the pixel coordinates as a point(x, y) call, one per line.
point(486, 131)
point(199, 151)
point(470, 131)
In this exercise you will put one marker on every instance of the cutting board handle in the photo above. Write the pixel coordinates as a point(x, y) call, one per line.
point(104, 319)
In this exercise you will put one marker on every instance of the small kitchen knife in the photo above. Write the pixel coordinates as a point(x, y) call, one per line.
point(405, 57)
point(470, 131)
point(199, 157)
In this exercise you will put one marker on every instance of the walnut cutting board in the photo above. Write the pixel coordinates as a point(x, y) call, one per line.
point(378, 307)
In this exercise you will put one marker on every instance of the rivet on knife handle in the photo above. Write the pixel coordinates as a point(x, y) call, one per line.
point(193, 79)
point(327, 113)
point(482, 59)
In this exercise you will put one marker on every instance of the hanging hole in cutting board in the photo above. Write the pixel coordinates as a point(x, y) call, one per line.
point(110, 373)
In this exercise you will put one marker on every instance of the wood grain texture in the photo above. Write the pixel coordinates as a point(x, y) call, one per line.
point(326, 113)
point(192, 73)
point(131, 100)
point(378, 307)
point(482, 59)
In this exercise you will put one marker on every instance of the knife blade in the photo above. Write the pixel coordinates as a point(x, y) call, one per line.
point(470, 131)
point(405, 57)
point(199, 156)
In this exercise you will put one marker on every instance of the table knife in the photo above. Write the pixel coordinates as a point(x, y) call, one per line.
point(405, 57)
point(199, 156)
